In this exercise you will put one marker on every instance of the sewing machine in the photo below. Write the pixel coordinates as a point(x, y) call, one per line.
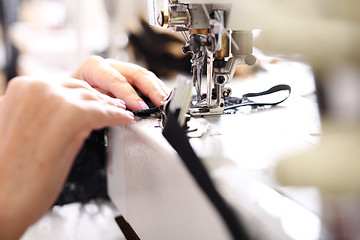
point(147, 181)
point(217, 44)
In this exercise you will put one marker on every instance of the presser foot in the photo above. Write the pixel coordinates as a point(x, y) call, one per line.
point(205, 111)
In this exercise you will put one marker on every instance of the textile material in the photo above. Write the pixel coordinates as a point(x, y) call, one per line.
point(87, 179)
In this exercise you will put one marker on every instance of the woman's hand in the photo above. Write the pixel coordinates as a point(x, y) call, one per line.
point(119, 79)
point(43, 124)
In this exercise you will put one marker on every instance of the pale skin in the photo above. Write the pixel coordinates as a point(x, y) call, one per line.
point(44, 123)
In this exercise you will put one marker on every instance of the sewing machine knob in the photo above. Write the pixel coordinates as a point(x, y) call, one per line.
point(250, 60)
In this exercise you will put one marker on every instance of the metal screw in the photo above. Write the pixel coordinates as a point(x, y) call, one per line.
point(221, 79)
point(226, 93)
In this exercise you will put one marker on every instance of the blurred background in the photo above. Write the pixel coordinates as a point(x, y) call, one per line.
point(41, 37)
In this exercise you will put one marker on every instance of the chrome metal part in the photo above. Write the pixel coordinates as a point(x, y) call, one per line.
point(216, 50)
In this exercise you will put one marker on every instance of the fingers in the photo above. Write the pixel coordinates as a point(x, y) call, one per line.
point(78, 97)
point(90, 93)
point(100, 109)
point(144, 80)
point(101, 75)
point(118, 78)
point(105, 116)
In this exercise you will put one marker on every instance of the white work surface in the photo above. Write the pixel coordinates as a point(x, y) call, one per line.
point(150, 186)
point(153, 190)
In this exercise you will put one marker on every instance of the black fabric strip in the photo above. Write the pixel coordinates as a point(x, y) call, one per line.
point(127, 230)
point(274, 89)
point(178, 140)
point(232, 103)
point(147, 112)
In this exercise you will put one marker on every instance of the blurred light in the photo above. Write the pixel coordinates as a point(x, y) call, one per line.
point(299, 223)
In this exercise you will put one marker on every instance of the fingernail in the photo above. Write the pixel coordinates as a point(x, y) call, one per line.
point(143, 105)
point(131, 114)
point(121, 101)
